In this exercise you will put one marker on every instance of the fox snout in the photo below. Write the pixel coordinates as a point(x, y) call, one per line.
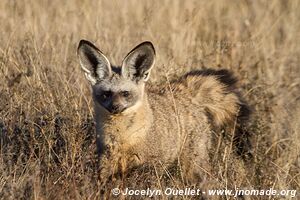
point(115, 108)
point(115, 104)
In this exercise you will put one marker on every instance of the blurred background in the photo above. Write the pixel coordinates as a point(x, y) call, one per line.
point(46, 112)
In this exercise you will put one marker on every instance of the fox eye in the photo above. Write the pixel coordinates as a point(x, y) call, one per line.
point(125, 94)
point(105, 95)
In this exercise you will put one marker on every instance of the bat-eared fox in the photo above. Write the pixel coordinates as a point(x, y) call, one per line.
point(138, 123)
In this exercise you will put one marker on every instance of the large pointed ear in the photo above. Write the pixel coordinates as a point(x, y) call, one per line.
point(95, 65)
point(139, 61)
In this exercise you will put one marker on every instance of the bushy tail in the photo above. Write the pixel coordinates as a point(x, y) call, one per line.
point(216, 91)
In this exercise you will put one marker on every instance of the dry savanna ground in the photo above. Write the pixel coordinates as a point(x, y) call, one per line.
point(47, 134)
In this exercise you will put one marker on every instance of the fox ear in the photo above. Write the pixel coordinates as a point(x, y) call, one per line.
point(95, 65)
point(139, 61)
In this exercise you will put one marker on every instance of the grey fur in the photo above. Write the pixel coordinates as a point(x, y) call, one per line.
point(166, 123)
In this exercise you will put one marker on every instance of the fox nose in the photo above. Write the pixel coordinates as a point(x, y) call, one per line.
point(116, 109)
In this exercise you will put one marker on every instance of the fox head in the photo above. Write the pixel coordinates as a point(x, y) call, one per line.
point(117, 89)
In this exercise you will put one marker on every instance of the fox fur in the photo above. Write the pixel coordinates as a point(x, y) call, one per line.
point(159, 124)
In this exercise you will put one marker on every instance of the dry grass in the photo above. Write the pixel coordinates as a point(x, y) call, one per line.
point(46, 124)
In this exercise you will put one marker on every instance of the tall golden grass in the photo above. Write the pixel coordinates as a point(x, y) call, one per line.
point(46, 114)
